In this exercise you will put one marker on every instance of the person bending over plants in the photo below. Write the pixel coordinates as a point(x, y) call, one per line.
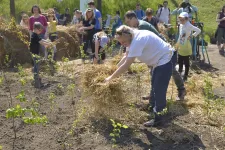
point(153, 51)
point(100, 40)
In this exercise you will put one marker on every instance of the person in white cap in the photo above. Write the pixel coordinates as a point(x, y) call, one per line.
point(183, 43)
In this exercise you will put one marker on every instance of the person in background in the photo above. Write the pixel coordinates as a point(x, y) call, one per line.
point(51, 31)
point(25, 21)
point(220, 18)
point(184, 45)
point(139, 12)
point(100, 41)
point(185, 6)
point(35, 43)
point(148, 48)
point(57, 13)
point(159, 7)
point(132, 21)
point(163, 14)
point(117, 22)
point(150, 18)
point(65, 19)
point(89, 22)
point(37, 17)
point(77, 18)
point(98, 16)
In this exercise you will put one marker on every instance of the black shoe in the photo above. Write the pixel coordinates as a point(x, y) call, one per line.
point(185, 78)
point(181, 95)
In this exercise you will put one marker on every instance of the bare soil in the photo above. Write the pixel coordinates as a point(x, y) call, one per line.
point(187, 126)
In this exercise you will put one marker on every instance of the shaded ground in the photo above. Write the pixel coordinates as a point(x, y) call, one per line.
point(187, 128)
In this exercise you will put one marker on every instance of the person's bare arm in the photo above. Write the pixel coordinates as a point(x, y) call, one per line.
point(45, 43)
point(123, 59)
point(124, 67)
point(88, 28)
point(219, 20)
point(96, 48)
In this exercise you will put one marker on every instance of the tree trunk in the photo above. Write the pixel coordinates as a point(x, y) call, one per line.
point(99, 7)
point(12, 8)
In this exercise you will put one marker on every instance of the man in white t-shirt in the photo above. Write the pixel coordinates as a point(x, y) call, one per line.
point(153, 51)
point(163, 14)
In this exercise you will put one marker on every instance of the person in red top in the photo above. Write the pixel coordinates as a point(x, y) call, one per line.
point(37, 17)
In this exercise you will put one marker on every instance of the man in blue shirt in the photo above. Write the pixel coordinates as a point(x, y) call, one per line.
point(139, 12)
point(98, 16)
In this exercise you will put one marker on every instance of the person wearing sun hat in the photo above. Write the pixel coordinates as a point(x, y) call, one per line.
point(183, 43)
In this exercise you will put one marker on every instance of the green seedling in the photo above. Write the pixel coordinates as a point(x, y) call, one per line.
point(116, 131)
point(51, 98)
point(21, 96)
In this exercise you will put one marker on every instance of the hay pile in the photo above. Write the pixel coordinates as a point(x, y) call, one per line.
point(104, 96)
point(16, 44)
point(68, 43)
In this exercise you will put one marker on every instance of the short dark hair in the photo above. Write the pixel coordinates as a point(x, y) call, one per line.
point(165, 2)
point(130, 14)
point(38, 25)
point(91, 3)
point(35, 6)
point(75, 9)
point(118, 12)
point(223, 9)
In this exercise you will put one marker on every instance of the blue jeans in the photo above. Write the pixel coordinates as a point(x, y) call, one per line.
point(160, 80)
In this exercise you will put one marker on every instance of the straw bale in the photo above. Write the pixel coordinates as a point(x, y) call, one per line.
point(68, 45)
point(16, 47)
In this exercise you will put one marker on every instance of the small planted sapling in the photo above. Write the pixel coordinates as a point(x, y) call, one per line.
point(115, 134)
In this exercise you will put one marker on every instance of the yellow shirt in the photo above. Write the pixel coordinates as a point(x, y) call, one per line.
point(52, 26)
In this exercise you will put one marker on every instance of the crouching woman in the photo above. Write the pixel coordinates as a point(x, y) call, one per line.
point(153, 51)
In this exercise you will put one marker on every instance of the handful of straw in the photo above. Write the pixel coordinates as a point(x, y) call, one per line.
point(105, 95)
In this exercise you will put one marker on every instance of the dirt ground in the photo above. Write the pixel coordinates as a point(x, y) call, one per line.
point(188, 126)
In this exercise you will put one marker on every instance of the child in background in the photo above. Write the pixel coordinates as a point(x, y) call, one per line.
point(25, 21)
point(35, 43)
point(77, 18)
point(52, 33)
point(100, 40)
point(184, 44)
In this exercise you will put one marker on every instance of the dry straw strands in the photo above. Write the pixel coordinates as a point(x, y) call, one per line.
point(106, 96)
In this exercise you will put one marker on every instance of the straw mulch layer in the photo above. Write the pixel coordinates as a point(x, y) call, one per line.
point(105, 97)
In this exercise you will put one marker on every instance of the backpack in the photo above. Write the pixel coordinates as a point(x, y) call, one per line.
point(161, 12)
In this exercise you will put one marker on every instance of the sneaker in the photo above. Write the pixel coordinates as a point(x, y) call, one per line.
point(146, 97)
point(181, 95)
point(151, 123)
